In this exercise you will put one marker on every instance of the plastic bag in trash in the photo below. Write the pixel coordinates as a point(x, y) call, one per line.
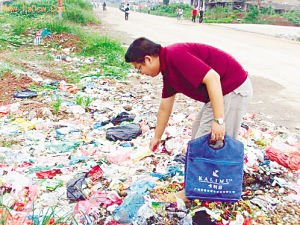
point(74, 188)
point(127, 211)
point(44, 33)
point(284, 154)
point(123, 133)
point(25, 94)
point(123, 116)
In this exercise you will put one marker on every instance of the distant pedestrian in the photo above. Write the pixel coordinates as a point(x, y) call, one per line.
point(95, 4)
point(201, 12)
point(179, 13)
point(194, 14)
point(126, 11)
point(104, 6)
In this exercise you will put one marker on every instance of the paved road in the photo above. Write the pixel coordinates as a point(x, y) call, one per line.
point(273, 63)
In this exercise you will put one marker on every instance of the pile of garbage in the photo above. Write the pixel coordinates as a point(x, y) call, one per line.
point(84, 159)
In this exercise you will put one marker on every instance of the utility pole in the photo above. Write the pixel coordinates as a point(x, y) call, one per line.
point(60, 8)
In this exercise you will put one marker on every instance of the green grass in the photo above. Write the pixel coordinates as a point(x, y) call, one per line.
point(79, 15)
point(83, 101)
point(87, 102)
point(79, 100)
point(55, 26)
point(21, 25)
point(49, 216)
point(219, 15)
point(56, 105)
point(71, 76)
point(110, 51)
point(4, 68)
point(42, 217)
point(80, 3)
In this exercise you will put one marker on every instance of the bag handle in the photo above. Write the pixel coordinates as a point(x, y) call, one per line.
point(216, 145)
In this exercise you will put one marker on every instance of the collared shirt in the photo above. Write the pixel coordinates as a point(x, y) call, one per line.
point(185, 65)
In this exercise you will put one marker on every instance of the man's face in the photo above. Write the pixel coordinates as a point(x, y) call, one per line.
point(149, 67)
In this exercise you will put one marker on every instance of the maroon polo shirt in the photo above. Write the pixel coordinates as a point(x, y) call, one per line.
point(184, 66)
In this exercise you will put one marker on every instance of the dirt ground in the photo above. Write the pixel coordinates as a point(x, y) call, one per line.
point(9, 84)
point(277, 21)
point(27, 61)
point(272, 62)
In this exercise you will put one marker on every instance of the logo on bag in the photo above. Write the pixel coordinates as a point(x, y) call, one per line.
point(215, 173)
point(214, 184)
point(212, 180)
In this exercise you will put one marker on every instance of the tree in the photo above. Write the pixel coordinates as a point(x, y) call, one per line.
point(258, 5)
point(166, 2)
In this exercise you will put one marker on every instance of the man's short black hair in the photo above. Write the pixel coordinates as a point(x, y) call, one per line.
point(141, 47)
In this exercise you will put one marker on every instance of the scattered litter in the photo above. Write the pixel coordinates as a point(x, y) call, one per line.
point(25, 94)
point(93, 161)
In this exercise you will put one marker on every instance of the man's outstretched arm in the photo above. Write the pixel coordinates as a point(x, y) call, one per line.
point(163, 115)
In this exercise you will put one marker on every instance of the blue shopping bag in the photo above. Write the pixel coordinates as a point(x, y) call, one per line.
point(214, 174)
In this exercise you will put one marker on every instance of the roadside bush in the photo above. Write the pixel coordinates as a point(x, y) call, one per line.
point(83, 4)
point(267, 10)
point(79, 11)
point(21, 25)
point(78, 15)
point(99, 45)
point(171, 10)
point(219, 15)
point(251, 15)
point(293, 16)
point(55, 26)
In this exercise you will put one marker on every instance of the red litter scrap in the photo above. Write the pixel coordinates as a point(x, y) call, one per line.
point(285, 155)
point(95, 173)
point(48, 173)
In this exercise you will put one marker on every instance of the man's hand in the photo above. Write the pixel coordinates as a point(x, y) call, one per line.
point(154, 144)
point(163, 115)
point(217, 131)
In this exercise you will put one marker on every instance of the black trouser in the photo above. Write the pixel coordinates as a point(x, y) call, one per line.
point(201, 17)
point(194, 19)
point(126, 16)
